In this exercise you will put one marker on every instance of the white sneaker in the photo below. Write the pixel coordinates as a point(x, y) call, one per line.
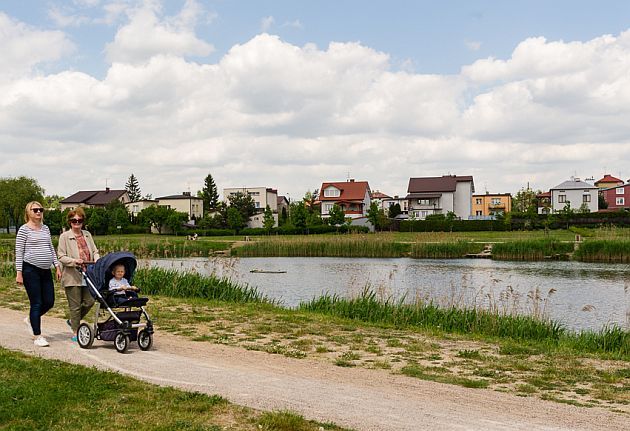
point(41, 342)
point(27, 322)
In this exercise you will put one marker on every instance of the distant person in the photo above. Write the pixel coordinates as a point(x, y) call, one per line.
point(34, 256)
point(76, 247)
point(120, 286)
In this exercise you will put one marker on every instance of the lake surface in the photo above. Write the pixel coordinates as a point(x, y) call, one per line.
point(579, 295)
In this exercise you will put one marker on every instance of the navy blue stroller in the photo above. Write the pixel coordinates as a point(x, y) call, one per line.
point(125, 321)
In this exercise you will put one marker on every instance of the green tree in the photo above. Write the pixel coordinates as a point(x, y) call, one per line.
point(394, 210)
point(15, 193)
point(154, 217)
point(336, 216)
point(525, 200)
point(283, 217)
point(133, 188)
point(175, 220)
point(234, 219)
point(117, 217)
point(372, 215)
point(601, 202)
point(268, 220)
point(299, 215)
point(53, 202)
point(209, 194)
point(244, 203)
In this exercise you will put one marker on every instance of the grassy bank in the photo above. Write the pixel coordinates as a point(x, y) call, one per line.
point(40, 394)
point(534, 249)
point(610, 251)
point(589, 370)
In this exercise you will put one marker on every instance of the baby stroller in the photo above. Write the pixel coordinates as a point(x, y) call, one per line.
point(124, 321)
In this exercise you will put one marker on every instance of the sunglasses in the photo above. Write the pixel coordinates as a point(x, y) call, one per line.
point(37, 210)
point(76, 220)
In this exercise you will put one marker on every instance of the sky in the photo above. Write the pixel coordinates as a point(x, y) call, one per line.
point(288, 94)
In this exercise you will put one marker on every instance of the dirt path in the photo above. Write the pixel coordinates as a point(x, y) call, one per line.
point(357, 398)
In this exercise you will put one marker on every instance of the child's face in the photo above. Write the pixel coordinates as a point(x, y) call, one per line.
point(119, 272)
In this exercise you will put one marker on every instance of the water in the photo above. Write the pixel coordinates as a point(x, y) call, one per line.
point(578, 295)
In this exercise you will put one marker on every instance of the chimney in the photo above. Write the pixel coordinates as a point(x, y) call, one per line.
point(350, 180)
point(106, 189)
point(186, 193)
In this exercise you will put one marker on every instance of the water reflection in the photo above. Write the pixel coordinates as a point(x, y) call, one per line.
point(579, 295)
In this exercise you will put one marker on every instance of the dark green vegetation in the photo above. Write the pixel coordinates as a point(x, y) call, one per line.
point(534, 249)
point(38, 394)
point(613, 251)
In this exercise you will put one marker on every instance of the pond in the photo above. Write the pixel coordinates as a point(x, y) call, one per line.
point(578, 295)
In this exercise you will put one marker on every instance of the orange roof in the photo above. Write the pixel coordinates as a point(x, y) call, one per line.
point(609, 179)
point(349, 190)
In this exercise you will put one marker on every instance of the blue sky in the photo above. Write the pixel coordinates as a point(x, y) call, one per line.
point(261, 92)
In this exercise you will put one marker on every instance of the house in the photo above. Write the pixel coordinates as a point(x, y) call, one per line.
point(283, 204)
point(608, 181)
point(262, 196)
point(617, 197)
point(352, 196)
point(489, 205)
point(440, 195)
point(94, 199)
point(134, 208)
point(386, 204)
point(185, 203)
point(579, 195)
point(544, 202)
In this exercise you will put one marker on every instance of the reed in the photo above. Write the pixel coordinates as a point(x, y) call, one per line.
point(445, 250)
point(368, 308)
point(535, 249)
point(170, 247)
point(329, 246)
point(158, 281)
point(610, 339)
point(609, 251)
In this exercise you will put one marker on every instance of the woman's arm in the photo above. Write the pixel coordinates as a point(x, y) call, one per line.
point(62, 251)
point(20, 246)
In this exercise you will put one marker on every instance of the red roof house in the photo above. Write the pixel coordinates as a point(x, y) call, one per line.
point(608, 181)
point(352, 196)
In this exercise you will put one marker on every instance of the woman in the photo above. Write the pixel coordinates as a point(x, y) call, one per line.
point(76, 247)
point(34, 255)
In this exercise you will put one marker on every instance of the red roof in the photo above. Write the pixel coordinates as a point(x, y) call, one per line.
point(350, 191)
point(609, 179)
point(445, 183)
point(379, 195)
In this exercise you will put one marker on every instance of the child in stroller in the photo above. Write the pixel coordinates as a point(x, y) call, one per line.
point(120, 286)
point(125, 316)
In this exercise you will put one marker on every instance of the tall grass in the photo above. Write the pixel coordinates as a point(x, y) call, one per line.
point(610, 251)
point(327, 246)
point(445, 250)
point(157, 247)
point(535, 249)
point(368, 308)
point(168, 282)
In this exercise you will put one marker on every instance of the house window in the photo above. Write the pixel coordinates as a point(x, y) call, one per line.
point(424, 214)
point(478, 201)
point(496, 201)
point(620, 201)
point(331, 192)
point(478, 213)
point(327, 207)
point(423, 202)
point(586, 198)
point(620, 191)
point(562, 198)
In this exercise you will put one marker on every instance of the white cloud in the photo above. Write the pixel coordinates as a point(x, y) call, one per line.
point(270, 113)
point(266, 23)
point(472, 45)
point(24, 47)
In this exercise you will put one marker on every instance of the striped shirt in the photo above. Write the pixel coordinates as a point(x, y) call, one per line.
point(35, 247)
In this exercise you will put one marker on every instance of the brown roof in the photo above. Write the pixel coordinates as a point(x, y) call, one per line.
point(445, 183)
point(609, 179)
point(94, 197)
point(379, 195)
point(350, 190)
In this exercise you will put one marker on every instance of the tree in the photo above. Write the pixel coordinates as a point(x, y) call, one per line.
point(268, 220)
point(525, 200)
point(394, 210)
point(372, 214)
point(15, 193)
point(154, 216)
point(283, 217)
point(52, 202)
point(234, 219)
point(336, 215)
point(133, 188)
point(117, 216)
point(601, 202)
point(299, 214)
point(175, 219)
point(209, 194)
point(244, 203)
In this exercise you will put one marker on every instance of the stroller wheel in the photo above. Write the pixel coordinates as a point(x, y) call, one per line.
point(85, 336)
point(121, 342)
point(145, 340)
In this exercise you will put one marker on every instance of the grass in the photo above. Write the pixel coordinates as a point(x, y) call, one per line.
point(610, 251)
point(533, 249)
point(38, 394)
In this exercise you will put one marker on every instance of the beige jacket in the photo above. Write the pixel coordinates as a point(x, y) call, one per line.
point(68, 252)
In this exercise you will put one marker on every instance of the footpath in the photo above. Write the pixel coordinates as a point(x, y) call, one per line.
point(356, 398)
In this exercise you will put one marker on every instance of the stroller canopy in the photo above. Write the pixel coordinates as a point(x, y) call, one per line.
point(101, 272)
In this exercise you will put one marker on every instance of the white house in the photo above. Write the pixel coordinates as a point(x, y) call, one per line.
point(578, 194)
point(353, 197)
point(262, 196)
point(440, 195)
point(186, 203)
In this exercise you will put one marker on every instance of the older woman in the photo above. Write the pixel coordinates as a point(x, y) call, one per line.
point(34, 256)
point(76, 247)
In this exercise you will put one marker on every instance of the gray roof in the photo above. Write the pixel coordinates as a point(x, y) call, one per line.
point(572, 185)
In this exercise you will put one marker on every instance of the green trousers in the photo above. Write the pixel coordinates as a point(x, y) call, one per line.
point(79, 302)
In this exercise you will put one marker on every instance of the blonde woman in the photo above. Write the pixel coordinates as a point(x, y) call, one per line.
point(34, 256)
point(76, 247)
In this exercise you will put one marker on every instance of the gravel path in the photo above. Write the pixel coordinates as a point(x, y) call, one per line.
point(356, 398)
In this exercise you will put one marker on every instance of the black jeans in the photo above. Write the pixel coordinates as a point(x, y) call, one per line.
point(41, 293)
